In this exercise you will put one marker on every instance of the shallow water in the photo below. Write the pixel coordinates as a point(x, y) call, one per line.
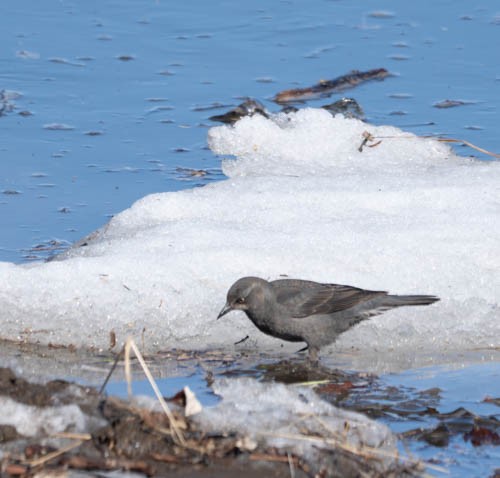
point(465, 386)
point(169, 387)
point(106, 101)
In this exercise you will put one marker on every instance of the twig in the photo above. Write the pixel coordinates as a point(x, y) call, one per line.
point(73, 436)
point(467, 143)
point(369, 137)
point(290, 464)
point(128, 372)
point(311, 383)
point(50, 456)
point(366, 137)
point(274, 458)
point(115, 363)
point(130, 344)
point(367, 451)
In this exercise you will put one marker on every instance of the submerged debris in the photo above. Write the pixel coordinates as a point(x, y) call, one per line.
point(189, 173)
point(495, 401)
point(482, 436)
point(213, 106)
point(58, 127)
point(249, 107)
point(126, 57)
point(6, 101)
point(349, 107)
point(450, 103)
point(46, 249)
point(65, 61)
point(392, 404)
point(327, 87)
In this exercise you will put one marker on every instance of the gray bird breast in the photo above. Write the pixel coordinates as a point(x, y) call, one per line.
point(284, 329)
point(315, 330)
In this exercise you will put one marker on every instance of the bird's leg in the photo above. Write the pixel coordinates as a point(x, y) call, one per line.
point(313, 355)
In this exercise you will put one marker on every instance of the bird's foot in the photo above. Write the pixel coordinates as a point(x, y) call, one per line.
point(312, 358)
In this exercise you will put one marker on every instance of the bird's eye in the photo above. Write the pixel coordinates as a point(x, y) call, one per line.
point(241, 300)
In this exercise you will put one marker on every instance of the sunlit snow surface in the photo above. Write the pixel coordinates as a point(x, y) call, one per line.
point(406, 215)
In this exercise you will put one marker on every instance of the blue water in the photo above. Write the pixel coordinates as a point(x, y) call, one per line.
point(169, 387)
point(132, 80)
point(465, 386)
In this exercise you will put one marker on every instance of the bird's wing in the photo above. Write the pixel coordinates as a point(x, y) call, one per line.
point(304, 298)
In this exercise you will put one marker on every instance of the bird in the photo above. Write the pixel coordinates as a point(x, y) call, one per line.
point(305, 311)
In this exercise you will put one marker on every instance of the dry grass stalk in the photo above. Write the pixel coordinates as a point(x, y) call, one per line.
point(367, 136)
point(175, 429)
point(469, 144)
point(50, 456)
point(291, 465)
point(73, 436)
point(365, 451)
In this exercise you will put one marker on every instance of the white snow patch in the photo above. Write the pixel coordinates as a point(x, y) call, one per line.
point(406, 216)
point(33, 421)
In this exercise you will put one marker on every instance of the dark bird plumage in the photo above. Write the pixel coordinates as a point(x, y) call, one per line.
point(311, 312)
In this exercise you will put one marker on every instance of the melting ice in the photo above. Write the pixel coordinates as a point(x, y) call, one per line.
point(301, 200)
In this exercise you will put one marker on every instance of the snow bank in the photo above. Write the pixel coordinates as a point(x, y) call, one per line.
point(406, 216)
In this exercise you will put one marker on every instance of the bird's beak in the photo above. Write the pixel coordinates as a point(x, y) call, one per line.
point(227, 308)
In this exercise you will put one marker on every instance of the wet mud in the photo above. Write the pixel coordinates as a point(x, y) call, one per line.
point(127, 436)
point(134, 438)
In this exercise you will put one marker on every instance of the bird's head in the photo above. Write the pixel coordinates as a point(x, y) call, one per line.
point(243, 294)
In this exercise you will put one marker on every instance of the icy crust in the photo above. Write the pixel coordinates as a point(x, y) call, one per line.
point(287, 410)
point(30, 421)
point(312, 142)
point(296, 421)
point(405, 216)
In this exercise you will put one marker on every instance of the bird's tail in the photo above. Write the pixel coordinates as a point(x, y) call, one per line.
point(402, 300)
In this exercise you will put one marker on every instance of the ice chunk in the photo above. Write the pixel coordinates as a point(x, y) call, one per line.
point(297, 421)
point(287, 410)
point(406, 216)
point(31, 421)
